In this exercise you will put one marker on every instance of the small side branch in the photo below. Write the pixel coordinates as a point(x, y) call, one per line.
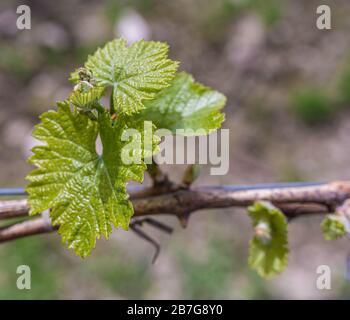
point(13, 208)
point(25, 228)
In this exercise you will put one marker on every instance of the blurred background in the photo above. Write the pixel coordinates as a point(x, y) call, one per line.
point(288, 111)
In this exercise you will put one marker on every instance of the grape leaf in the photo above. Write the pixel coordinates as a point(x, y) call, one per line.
point(268, 253)
point(334, 227)
point(136, 73)
point(86, 191)
point(186, 105)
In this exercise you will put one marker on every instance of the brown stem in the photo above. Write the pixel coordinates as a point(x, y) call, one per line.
point(13, 209)
point(26, 228)
point(293, 201)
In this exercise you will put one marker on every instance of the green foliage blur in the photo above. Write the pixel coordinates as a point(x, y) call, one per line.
point(312, 106)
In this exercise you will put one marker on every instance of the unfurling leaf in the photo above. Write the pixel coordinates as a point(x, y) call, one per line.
point(86, 191)
point(186, 105)
point(268, 252)
point(86, 99)
point(136, 73)
point(191, 174)
point(334, 226)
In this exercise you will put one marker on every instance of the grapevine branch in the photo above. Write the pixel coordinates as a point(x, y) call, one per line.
point(293, 199)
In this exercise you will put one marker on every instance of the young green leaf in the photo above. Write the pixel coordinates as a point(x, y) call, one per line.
point(136, 73)
point(86, 99)
point(268, 252)
point(334, 226)
point(186, 105)
point(86, 191)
